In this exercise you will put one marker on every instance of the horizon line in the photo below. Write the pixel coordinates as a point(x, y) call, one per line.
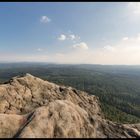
point(56, 63)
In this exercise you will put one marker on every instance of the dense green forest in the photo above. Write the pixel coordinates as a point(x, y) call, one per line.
point(118, 87)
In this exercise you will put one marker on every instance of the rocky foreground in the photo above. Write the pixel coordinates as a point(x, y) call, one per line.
point(33, 108)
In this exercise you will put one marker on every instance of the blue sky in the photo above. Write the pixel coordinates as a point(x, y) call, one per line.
point(71, 32)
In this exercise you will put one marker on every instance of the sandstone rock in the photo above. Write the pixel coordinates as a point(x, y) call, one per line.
point(10, 124)
point(60, 118)
point(33, 108)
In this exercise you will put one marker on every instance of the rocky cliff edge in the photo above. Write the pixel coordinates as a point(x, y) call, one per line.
point(33, 108)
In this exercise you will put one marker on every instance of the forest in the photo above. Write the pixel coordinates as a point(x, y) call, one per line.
point(118, 87)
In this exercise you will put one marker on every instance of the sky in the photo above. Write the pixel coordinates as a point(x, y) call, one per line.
point(70, 32)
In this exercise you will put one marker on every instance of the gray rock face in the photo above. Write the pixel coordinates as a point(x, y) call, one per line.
point(33, 108)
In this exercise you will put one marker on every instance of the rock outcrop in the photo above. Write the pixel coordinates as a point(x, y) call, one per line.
point(33, 108)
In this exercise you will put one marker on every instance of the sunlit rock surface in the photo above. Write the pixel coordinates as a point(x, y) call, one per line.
point(33, 108)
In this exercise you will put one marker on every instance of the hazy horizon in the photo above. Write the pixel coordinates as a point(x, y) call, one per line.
point(100, 33)
point(55, 63)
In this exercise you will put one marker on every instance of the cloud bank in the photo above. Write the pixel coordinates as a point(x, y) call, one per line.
point(125, 51)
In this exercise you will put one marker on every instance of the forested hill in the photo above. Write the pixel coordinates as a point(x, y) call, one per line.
point(118, 87)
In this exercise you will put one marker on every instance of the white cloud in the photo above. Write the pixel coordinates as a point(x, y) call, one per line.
point(135, 7)
point(125, 38)
point(72, 37)
point(45, 19)
point(39, 49)
point(109, 48)
point(62, 37)
point(81, 45)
